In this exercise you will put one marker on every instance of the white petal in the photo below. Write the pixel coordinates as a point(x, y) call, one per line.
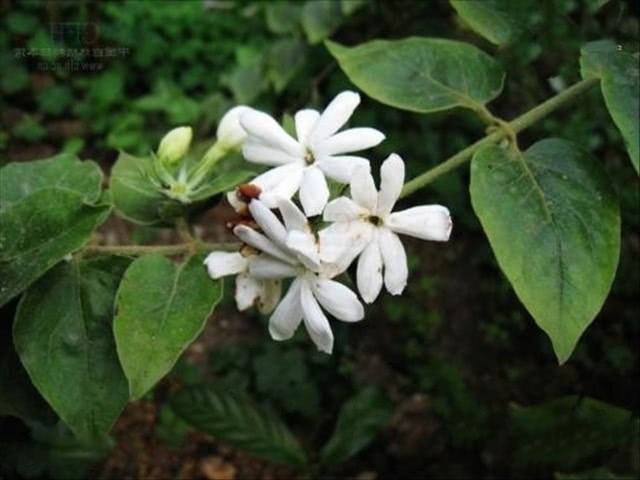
point(293, 218)
point(269, 223)
point(334, 116)
point(391, 182)
point(281, 181)
point(230, 133)
point(238, 205)
point(262, 243)
point(268, 267)
point(394, 258)
point(315, 320)
point(338, 300)
point(314, 192)
point(343, 209)
point(343, 241)
point(369, 272)
point(258, 152)
point(266, 129)
point(352, 140)
point(287, 316)
point(363, 190)
point(341, 168)
point(429, 222)
point(248, 290)
point(305, 121)
point(305, 246)
point(269, 296)
point(220, 264)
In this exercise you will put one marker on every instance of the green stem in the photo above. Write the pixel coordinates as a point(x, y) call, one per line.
point(516, 125)
point(138, 250)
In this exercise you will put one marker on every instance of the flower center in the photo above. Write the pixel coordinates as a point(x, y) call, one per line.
point(308, 157)
point(375, 220)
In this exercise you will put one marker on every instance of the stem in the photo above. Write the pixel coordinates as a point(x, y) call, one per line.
point(138, 250)
point(516, 125)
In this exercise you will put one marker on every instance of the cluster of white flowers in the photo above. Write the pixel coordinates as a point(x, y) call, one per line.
point(362, 226)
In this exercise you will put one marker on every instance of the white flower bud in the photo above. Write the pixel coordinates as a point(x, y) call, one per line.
point(174, 145)
point(230, 133)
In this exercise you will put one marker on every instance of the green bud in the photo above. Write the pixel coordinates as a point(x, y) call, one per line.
point(174, 145)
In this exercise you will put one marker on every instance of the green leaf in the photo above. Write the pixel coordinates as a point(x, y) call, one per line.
point(235, 419)
point(65, 171)
point(55, 100)
point(320, 18)
point(499, 21)
point(553, 222)
point(286, 58)
point(360, 419)
point(421, 74)
point(282, 17)
point(63, 337)
point(38, 231)
point(566, 431)
point(620, 82)
point(222, 182)
point(161, 310)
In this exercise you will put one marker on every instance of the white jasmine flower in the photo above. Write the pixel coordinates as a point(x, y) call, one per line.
point(367, 227)
point(318, 152)
point(174, 145)
point(230, 133)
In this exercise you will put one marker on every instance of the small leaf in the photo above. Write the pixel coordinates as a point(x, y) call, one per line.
point(161, 310)
point(63, 337)
point(282, 17)
point(234, 419)
point(620, 83)
point(421, 74)
point(360, 419)
point(286, 58)
point(499, 21)
point(38, 231)
point(222, 182)
point(65, 171)
point(553, 222)
point(320, 18)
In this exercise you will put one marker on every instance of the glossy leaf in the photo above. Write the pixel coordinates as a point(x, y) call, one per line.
point(553, 222)
point(63, 337)
point(421, 74)
point(620, 82)
point(234, 419)
point(65, 171)
point(359, 420)
point(499, 21)
point(161, 310)
point(38, 231)
point(320, 18)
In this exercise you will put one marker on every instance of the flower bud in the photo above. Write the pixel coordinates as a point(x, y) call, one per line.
point(230, 133)
point(174, 145)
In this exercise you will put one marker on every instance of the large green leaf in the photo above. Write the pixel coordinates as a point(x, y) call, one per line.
point(320, 18)
point(38, 231)
point(553, 222)
point(421, 74)
point(499, 21)
point(620, 82)
point(234, 419)
point(161, 310)
point(64, 339)
point(65, 171)
point(360, 419)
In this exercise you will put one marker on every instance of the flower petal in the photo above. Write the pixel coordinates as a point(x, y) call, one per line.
point(394, 258)
point(341, 168)
point(305, 246)
point(334, 116)
point(305, 121)
point(288, 314)
point(248, 290)
point(314, 192)
point(369, 272)
point(266, 129)
point(262, 243)
point(429, 222)
point(281, 181)
point(315, 320)
point(343, 209)
point(342, 242)
point(230, 133)
point(269, 296)
point(220, 264)
point(391, 182)
point(293, 218)
point(258, 152)
point(363, 190)
point(338, 300)
point(238, 205)
point(352, 140)
point(268, 267)
point(269, 223)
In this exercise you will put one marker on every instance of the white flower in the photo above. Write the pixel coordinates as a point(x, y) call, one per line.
point(230, 133)
point(366, 226)
point(174, 145)
point(319, 151)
